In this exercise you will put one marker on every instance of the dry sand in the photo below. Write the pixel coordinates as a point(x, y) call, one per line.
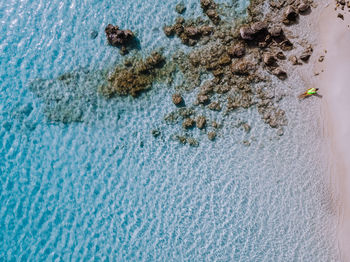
point(334, 84)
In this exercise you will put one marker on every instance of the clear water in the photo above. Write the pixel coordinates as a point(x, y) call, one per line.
point(105, 189)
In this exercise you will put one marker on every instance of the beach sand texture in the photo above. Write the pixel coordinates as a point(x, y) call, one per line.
point(334, 85)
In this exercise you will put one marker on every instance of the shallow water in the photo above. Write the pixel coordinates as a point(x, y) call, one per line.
point(105, 189)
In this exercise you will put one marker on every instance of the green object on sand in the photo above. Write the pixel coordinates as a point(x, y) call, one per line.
point(311, 91)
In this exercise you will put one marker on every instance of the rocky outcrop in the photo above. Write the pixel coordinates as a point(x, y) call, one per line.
point(118, 37)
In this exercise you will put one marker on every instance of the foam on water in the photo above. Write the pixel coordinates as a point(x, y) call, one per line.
point(105, 189)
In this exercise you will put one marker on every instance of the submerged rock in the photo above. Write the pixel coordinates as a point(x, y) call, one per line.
point(71, 97)
point(155, 133)
point(212, 135)
point(134, 79)
point(177, 99)
point(180, 8)
point(188, 123)
point(237, 50)
point(201, 122)
point(192, 142)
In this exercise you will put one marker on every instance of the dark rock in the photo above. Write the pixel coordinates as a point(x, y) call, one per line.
point(224, 60)
point(203, 99)
point(246, 32)
point(215, 106)
point(321, 58)
point(212, 135)
point(269, 59)
point(181, 139)
point(123, 50)
point(290, 15)
point(186, 112)
point(208, 4)
point(180, 8)
point(258, 27)
point(286, 45)
point(213, 16)
point(177, 99)
point(194, 59)
point(307, 53)
point(155, 133)
point(118, 37)
point(280, 56)
point(206, 30)
point(188, 123)
point(201, 122)
point(240, 68)
point(281, 74)
point(168, 31)
point(246, 143)
point(93, 34)
point(222, 89)
point(246, 127)
point(180, 20)
point(280, 132)
point(206, 88)
point(237, 50)
point(191, 31)
point(341, 16)
point(303, 7)
point(294, 60)
point(192, 142)
point(215, 124)
point(275, 31)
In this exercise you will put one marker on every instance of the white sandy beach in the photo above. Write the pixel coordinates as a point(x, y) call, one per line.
point(335, 87)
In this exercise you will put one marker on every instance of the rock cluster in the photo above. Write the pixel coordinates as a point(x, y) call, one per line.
point(187, 31)
point(209, 8)
point(236, 56)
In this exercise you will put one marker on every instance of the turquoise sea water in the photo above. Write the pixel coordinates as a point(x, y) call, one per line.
point(105, 190)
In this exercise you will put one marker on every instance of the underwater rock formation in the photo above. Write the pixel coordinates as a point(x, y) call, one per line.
point(190, 32)
point(134, 78)
point(240, 59)
point(71, 97)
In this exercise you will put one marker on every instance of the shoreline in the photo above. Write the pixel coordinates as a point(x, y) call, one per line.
point(333, 44)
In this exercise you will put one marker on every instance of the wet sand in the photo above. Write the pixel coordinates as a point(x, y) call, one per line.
point(334, 84)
